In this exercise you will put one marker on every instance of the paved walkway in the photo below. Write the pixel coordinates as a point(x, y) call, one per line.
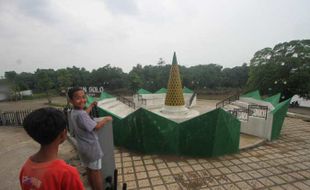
point(281, 164)
point(15, 147)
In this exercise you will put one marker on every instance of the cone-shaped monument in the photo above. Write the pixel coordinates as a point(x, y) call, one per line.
point(174, 107)
point(174, 96)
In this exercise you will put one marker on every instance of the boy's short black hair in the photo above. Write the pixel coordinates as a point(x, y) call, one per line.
point(45, 124)
point(71, 91)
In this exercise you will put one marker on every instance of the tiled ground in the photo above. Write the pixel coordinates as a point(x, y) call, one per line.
point(281, 164)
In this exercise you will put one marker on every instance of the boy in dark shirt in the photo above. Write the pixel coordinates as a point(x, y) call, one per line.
point(44, 170)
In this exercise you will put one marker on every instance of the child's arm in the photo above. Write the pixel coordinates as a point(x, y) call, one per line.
point(101, 123)
point(90, 107)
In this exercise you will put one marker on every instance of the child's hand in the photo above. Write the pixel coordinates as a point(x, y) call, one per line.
point(104, 121)
point(94, 104)
point(107, 119)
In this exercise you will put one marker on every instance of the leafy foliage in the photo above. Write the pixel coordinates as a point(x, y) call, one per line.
point(150, 77)
point(285, 69)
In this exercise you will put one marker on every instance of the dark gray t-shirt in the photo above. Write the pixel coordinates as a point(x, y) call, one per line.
point(87, 139)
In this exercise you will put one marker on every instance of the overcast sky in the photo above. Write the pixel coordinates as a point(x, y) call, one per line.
point(92, 33)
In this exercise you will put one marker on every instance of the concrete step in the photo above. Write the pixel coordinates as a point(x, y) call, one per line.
point(122, 109)
point(106, 101)
point(231, 107)
point(118, 108)
point(110, 105)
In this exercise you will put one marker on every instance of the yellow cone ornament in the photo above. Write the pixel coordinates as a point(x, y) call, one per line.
point(174, 96)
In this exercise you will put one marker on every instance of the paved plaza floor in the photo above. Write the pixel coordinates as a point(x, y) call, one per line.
point(281, 164)
point(15, 147)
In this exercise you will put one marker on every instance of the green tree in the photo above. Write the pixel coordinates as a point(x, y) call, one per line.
point(284, 69)
point(45, 82)
point(111, 78)
point(11, 76)
point(79, 76)
point(64, 80)
point(235, 77)
point(25, 81)
point(136, 77)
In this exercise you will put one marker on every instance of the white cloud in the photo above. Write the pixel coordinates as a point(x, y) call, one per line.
point(93, 33)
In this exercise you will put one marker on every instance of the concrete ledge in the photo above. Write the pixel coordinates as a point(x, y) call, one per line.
point(249, 141)
point(299, 116)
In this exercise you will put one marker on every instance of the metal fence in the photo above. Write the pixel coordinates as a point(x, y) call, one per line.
point(126, 101)
point(141, 99)
point(226, 101)
point(191, 99)
point(13, 118)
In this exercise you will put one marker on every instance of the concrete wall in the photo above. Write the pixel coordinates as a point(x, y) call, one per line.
point(3, 96)
point(259, 127)
point(26, 93)
point(258, 102)
point(152, 100)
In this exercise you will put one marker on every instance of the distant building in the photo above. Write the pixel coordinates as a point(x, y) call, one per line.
point(4, 92)
point(25, 93)
point(302, 102)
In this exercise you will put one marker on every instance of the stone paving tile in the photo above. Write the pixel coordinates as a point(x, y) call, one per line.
point(307, 182)
point(231, 186)
point(245, 176)
point(156, 181)
point(235, 169)
point(276, 188)
point(301, 185)
point(164, 172)
point(234, 177)
point(289, 187)
point(281, 164)
point(266, 182)
point(143, 183)
point(214, 172)
point(160, 187)
point(173, 186)
point(141, 175)
point(243, 185)
point(255, 184)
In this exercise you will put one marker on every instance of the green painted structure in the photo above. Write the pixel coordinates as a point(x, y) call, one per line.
point(143, 91)
point(274, 100)
point(278, 113)
point(187, 90)
point(161, 91)
point(211, 134)
point(105, 95)
point(255, 94)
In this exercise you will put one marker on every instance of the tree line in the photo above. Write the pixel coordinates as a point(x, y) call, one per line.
point(150, 77)
point(284, 68)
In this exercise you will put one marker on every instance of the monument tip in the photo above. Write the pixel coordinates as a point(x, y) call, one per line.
point(174, 60)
